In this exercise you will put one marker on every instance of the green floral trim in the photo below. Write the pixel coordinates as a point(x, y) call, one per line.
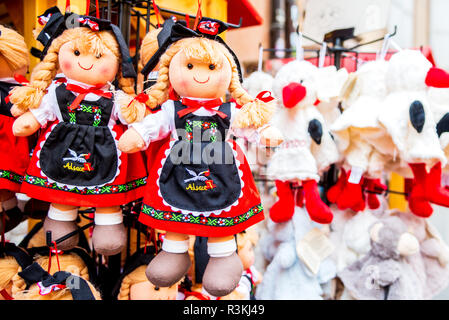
point(205, 125)
point(201, 220)
point(11, 176)
point(107, 189)
point(88, 109)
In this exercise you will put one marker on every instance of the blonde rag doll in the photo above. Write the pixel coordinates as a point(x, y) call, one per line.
point(209, 190)
point(14, 151)
point(76, 162)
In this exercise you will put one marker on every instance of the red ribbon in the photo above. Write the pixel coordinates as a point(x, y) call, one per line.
point(6, 295)
point(194, 105)
point(83, 92)
point(156, 13)
point(261, 96)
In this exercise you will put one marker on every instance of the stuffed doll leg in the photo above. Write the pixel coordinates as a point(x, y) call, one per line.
point(61, 220)
point(172, 263)
point(352, 194)
point(224, 269)
point(435, 193)
point(334, 192)
point(284, 208)
point(317, 209)
point(417, 201)
point(11, 215)
point(109, 235)
point(374, 187)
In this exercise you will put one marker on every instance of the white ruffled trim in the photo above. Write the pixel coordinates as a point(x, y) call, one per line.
point(62, 185)
point(198, 213)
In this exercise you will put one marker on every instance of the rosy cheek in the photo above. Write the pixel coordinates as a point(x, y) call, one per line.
point(66, 65)
point(105, 70)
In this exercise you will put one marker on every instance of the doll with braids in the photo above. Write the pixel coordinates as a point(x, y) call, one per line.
point(76, 161)
point(201, 183)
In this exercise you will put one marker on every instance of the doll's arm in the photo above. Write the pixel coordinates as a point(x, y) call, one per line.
point(153, 127)
point(25, 125)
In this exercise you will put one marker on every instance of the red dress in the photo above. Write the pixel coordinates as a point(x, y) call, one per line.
point(76, 161)
point(14, 151)
point(203, 198)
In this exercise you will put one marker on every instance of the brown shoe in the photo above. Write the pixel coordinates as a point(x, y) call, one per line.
point(168, 268)
point(222, 275)
point(109, 240)
point(59, 229)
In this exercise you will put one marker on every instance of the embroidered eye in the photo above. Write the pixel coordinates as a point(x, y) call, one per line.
point(77, 53)
point(212, 66)
point(190, 66)
point(98, 56)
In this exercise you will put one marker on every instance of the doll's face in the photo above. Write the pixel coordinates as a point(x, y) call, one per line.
point(147, 291)
point(85, 66)
point(246, 255)
point(198, 79)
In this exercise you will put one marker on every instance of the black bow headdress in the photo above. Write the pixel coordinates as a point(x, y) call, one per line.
point(58, 23)
point(173, 31)
point(47, 283)
point(22, 257)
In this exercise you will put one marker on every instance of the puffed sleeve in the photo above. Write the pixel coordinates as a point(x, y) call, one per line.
point(46, 111)
point(249, 134)
point(156, 126)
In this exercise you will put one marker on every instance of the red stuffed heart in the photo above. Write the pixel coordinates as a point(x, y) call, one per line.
point(293, 94)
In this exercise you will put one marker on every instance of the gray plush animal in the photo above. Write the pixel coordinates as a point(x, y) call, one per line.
point(383, 274)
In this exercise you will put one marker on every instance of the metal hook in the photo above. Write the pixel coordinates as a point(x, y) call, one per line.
point(376, 40)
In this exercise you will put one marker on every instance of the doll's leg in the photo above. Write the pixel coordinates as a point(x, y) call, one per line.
point(109, 235)
point(61, 220)
point(373, 184)
point(12, 214)
point(224, 269)
point(172, 263)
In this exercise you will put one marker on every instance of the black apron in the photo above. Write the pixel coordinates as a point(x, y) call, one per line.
point(5, 88)
point(80, 150)
point(200, 173)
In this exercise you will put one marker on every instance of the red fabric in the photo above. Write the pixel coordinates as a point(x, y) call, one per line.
point(14, 154)
point(249, 200)
point(292, 94)
point(243, 9)
point(284, 208)
point(317, 209)
point(374, 185)
point(351, 196)
point(194, 105)
point(132, 167)
point(408, 186)
point(435, 193)
point(334, 192)
point(417, 201)
point(300, 197)
point(437, 78)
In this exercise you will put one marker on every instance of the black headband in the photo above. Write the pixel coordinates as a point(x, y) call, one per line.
point(79, 288)
point(22, 257)
point(58, 23)
point(173, 31)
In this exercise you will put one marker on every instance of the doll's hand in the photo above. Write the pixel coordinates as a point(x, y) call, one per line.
point(25, 125)
point(271, 137)
point(16, 111)
point(131, 141)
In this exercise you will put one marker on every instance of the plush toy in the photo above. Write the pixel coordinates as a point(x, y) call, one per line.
point(307, 139)
point(133, 283)
point(258, 82)
point(384, 274)
point(364, 143)
point(14, 151)
point(408, 119)
point(287, 276)
point(76, 161)
point(12, 260)
point(201, 184)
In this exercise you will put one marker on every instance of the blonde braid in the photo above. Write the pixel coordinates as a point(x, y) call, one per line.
point(18, 283)
point(125, 289)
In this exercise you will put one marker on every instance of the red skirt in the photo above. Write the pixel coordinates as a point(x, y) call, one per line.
point(14, 156)
point(127, 186)
point(156, 214)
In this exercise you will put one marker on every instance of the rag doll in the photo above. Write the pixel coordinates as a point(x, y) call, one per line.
point(76, 162)
point(133, 283)
point(361, 139)
point(287, 276)
point(407, 117)
point(384, 274)
point(14, 151)
point(201, 183)
point(308, 149)
point(12, 260)
point(60, 285)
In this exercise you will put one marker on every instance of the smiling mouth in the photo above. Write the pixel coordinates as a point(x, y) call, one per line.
point(201, 81)
point(90, 67)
